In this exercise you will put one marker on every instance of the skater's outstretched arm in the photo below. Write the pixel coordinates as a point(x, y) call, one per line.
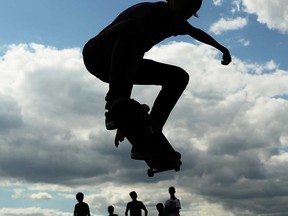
point(203, 37)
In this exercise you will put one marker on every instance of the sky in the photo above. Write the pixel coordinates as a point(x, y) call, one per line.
point(230, 123)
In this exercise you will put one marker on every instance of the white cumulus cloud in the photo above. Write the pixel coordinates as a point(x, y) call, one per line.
point(225, 24)
point(41, 196)
point(272, 13)
point(218, 2)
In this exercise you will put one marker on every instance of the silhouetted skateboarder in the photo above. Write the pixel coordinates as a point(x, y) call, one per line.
point(115, 55)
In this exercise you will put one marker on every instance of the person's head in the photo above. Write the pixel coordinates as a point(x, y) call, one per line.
point(133, 195)
point(160, 207)
point(185, 8)
point(79, 197)
point(172, 190)
point(110, 209)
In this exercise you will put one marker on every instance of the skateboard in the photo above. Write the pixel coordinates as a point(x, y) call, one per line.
point(136, 125)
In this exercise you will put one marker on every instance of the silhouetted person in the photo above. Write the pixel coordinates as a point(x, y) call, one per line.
point(115, 55)
point(111, 211)
point(135, 207)
point(172, 205)
point(81, 208)
point(161, 210)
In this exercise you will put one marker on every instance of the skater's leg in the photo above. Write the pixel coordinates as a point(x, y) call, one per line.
point(113, 56)
point(125, 58)
point(97, 54)
point(173, 81)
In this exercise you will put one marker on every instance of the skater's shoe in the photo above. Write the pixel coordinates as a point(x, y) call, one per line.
point(109, 123)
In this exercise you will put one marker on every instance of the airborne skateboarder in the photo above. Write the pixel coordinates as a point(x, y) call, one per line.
point(115, 55)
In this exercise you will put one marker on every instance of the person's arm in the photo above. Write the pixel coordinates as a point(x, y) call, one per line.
point(203, 37)
point(178, 204)
point(145, 210)
point(166, 207)
point(75, 211)
point(88, 210)
point(126, 211)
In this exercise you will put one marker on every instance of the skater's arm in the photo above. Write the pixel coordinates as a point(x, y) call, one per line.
point(203, 37)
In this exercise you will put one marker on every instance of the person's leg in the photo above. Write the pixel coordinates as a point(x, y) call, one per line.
point(97, 55)
point(125, 59)
point(113, 56)
point(173, 81)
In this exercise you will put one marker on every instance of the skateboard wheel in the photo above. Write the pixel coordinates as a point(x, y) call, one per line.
point(177, 168)
point(150, 172)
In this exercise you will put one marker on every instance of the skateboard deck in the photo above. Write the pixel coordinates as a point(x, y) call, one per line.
point(136, 125)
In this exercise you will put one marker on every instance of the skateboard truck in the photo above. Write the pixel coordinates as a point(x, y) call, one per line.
point(152, 171)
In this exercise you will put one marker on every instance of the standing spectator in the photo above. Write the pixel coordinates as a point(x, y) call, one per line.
point(81, 208)
point(111, 211)
point(161, 210)
point(135, 207)
point(172, 205)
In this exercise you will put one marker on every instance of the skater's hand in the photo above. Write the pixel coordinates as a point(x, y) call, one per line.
point(226, 58)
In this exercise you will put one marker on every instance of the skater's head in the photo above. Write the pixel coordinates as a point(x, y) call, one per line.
point(133, 195)
point(80, 197)
point(185, 8)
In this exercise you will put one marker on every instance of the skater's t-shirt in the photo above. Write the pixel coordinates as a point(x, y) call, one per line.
point(156, 22)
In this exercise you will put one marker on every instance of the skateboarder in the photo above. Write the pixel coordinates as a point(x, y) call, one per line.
point(115, 55)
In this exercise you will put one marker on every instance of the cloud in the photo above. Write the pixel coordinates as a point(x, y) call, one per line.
point(236, 6)
point(224, 25)
point(18, 193)
point(41, 196)
point(34, 211)
point(218, 2)
point(244, 42)
point(230, 126)
point(272, 13)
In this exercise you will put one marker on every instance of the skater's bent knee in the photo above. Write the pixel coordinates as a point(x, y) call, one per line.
point(183, 76)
